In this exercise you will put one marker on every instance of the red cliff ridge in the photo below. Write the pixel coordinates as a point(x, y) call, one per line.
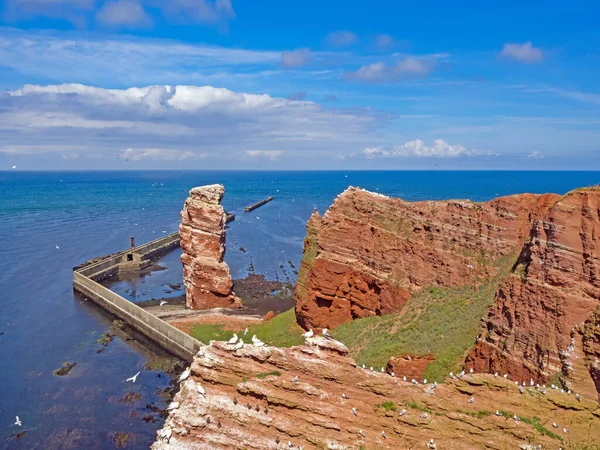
point(206, 276)
point(369, 254)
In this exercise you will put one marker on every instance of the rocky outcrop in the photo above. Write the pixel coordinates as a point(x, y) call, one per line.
point(206, 276)
point(369, 253)
point(410, 365)
point(314, 397)
point(543, 320)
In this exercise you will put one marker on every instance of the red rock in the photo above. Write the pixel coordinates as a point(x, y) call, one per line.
point(409, 365)
point(206, 277)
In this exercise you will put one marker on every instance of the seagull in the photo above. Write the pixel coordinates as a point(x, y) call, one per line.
point(201, 390)
point(326, 333)
point(578, 397)
point(239, 345)
point(364, 366)
point(362, 433)
point(254, 339)
point(498, 413)
point(401, 413)
point(295, 379)
point(383, 434)
point(354, 411)
point(371, 368)
point(133, 378)
point(413, 381)
point(165, 433)
point(565, 430)
point(425, 381)
point(172, 406)
point(471, 370)
point(345, 396)
point(554, 425)
point(404, 378)
point(516, 418)
point(163, 303)
point(382, 370)
point(308, 334)
point(424, 416)
point(57, 247)
point(246, 331)
point(185, 375)
point(544, 391)
point(393, 374)
point(14, 167)
point(471, 400)
point(233, 340)
point(521, 390)
point(531, 383)
point(505, 375)
point(495, 374)
point(18, 421)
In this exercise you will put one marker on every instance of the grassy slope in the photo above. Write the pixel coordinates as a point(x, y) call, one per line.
point(281, 331)
point(441, 321)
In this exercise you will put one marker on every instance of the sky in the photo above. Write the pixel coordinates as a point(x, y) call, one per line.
point(230, 84)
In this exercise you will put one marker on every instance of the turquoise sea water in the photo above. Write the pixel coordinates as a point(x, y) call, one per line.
point(87, 214)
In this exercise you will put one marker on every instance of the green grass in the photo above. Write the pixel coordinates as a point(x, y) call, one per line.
point(268, 374)
point(281, 331)
point(478, 414)
point(441, 321)
point(535, 423)
point(387, 405)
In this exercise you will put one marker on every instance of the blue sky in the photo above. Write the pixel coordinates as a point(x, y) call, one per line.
point(137, 84)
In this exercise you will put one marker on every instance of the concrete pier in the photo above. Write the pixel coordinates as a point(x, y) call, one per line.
point(258, 204)
point(85, 280)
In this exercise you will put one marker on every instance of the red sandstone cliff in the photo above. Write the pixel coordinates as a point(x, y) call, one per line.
point(543, 320)
point(369, 252)
point(266, 397)
point(206, 276)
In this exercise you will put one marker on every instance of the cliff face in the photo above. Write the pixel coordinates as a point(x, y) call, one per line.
point(206, 277)
point(543, 320)
point(314, 396)
point(369, 253)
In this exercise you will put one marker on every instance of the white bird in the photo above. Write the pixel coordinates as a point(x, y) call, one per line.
point(544, 391)
point(363, 366)
point(254, 339)
point(259, 343)
point(326, 333)
point(435, 384)
point(521, 390)
point(471, 370)
point(402, 412)
point(565, 430)
point(425, 381)
point(239, 345)
point(233, 340)
point(345, 396)
point(382, 370)
point(498, 413)
point(531, 383)
point(383, 434)
point(354, 411)
point(308, 334)
point(462, 373)
point(554, 425)
point(413, 381)
point(201, 390)
point(578, 397)
point(185, 375)
point(404, 378)
point(246, 331)
point(14, 167)
point(295, 379)
point(133, 378)
point(393, 374)
point(57, 247)
point(495, 374)
point(362, 433)
point(505, 375)
point(424, 416)
point(165, 433)
point(172, 406)
point(162, 303)
point(371, 368)
point(471, 400)
point(516, 418)
point(18, 421)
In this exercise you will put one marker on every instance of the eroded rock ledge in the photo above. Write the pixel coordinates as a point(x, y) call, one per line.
point(252, 402)
point(206, 276)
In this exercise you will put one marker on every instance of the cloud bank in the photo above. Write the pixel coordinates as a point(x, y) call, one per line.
point(525, 53)
point(417, 148)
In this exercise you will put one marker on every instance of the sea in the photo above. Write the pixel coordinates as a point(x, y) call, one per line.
point(53, 221)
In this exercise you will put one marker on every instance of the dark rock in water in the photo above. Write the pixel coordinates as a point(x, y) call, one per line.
point(121, 439)
point(18, 436)
point(65, 369)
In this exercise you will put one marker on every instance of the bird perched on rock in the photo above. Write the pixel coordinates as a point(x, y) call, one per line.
point(505, 375)
point(383, 435)
point(185, 375)
point(259, 343)
point(393, 374)
point(431, 444)
point(362, 433)
point(326, 333)
point(239, 345)
point(544, 391)
point(201, 390)
point(471, 370)
point(345, 396)
point(354, 411)
point(424, 416)
point(249, 406)
point(235, 402)
point(554, 425)
point(290, 445)
point(382, 370)
point(471, 400)
point(172, 406)
point(413, 381)
point(208, 420)
point(495, 374)
point(308, 334)
point(371, 368)
point(401, 413)
point(578, 397)
point(516, 418)
point(165, 434)
point(498, 413)
point(295, 379)
point(257, 409)
point(565, 430)
point(403, 378)
point(277, 440)
point(521, 389)
point(425, 381)
point(233, 340)
point(363, 366)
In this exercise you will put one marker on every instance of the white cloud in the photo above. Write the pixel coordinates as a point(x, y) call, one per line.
point(380, 72)
point(535, 155)
point(341, 38)
point(525, 53)
point(123, 13)
point(295, 58)
point(417, 148)
point(271, 154)
point(74, 11)
point(383, 41)
point(172, 123)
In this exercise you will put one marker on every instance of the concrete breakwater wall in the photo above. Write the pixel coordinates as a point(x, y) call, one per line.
point(85, 280)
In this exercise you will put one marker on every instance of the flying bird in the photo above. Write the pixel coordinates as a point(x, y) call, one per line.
point(133, 378)
point(18, 421)
point(233, 340)
point(162, 303)
point(185, 375)
point(57, 247)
